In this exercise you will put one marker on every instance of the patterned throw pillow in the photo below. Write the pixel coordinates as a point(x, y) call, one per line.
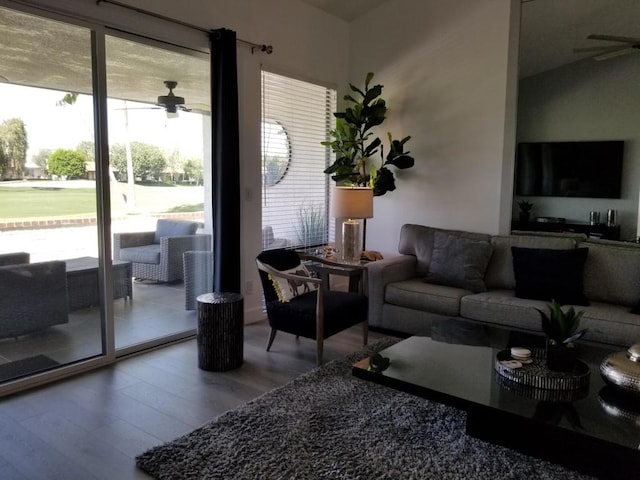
point(288, 289)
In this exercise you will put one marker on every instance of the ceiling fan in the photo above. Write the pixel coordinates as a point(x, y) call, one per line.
point(171, 102)
point(629, 45)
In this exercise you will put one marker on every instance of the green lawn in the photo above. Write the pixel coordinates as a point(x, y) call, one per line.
point(41, 199)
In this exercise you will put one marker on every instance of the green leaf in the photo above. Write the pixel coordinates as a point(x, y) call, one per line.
point(367, 80)
point(401, 161)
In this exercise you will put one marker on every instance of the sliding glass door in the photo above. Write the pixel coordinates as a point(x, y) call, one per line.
point(49, 268)
point(68, 210)
point(158, 106)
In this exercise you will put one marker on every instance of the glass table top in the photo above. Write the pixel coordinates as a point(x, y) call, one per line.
point(455, 364)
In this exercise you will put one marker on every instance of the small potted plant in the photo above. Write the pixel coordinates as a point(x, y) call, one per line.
point(525, 210)
point(561, 328)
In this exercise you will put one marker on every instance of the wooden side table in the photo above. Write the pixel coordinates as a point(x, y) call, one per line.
point(220, 331)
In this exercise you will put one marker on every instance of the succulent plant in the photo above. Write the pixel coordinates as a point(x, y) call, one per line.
point(561, 326)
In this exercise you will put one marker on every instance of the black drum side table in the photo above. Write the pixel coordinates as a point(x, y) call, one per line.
point(220, 331)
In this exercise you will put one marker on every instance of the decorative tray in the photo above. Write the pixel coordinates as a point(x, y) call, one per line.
point(537, 375)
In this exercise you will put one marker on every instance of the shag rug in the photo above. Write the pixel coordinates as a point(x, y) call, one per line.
point(327, 424)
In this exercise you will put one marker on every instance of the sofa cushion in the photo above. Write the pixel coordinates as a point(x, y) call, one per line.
point(174, 228)
point(612, 274)
point(502, 307)
point(610, 324)
point(144, 254)
point(418, 240)
point(459, 262)
point(429, 297)
point(500, 269)
point(548, 274)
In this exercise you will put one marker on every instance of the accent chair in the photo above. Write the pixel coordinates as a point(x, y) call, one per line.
point(304, 306)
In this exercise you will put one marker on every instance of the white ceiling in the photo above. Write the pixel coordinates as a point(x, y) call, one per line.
point(346, 9)
point(551, 29)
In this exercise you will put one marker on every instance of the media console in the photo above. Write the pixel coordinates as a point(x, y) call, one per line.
point(598, 231)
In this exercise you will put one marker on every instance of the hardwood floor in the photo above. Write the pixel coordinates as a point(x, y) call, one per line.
point(92, 426)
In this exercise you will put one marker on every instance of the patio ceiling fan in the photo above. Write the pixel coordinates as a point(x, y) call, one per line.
point(171, 102)
point(627, 45)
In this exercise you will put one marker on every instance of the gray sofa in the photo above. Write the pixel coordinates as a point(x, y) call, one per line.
point(402, 300)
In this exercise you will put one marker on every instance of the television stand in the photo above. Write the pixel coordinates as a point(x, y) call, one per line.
point(596, 231)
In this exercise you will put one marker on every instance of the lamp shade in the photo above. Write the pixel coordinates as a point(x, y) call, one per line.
point(352, 202)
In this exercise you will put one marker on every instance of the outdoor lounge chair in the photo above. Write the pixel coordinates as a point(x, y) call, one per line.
point(158, 255)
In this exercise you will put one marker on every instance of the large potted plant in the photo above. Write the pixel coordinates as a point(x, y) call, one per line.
point(561, 329)
point(357, 148)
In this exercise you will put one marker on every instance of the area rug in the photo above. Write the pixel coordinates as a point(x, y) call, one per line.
point(26, 366)
point(327, 424)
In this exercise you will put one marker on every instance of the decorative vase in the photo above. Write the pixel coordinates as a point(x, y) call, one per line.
point(524, 216)
point(560, 357)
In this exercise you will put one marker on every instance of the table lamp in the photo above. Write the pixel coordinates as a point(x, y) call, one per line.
point(352, 204)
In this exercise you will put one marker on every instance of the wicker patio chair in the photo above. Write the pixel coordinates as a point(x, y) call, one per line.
point(158, 255)
point(198, 276)
point(34, 297)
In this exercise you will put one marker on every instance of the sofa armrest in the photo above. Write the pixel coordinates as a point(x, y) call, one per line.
point(382, 272)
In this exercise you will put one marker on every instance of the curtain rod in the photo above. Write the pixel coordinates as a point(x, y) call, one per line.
point(268, 49)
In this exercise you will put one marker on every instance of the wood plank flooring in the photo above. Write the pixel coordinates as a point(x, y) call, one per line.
point(92, 426)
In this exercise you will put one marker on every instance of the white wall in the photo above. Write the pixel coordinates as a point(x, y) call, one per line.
point(448, 83)
point(308, 44)
point(586, 100)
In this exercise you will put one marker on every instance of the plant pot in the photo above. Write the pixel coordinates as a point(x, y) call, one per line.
point(561, 358)
point(524, 216)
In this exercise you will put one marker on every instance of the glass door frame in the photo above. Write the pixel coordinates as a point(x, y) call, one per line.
point(100, 124)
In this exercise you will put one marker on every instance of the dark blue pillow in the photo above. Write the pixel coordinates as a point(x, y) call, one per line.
point(547, 274)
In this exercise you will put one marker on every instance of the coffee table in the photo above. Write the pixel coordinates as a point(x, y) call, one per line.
point(82, 281)
point(595, 432)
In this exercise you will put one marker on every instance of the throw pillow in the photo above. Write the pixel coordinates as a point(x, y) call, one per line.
point(287, 289)
point(459, 262)
point(546, 274)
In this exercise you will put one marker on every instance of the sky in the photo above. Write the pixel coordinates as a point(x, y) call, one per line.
point(50, 126)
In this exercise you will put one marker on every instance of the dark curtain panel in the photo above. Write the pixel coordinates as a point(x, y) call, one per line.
point(225, 183)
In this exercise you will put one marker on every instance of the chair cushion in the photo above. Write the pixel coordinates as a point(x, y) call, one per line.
point(173, 228)
point(548, 274)
point(459, 262)
point(143, 254)
point(341, 310)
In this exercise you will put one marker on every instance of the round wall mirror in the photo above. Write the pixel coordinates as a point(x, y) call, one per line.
point(276, 152)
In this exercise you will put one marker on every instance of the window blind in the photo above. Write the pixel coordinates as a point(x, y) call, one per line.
point(296, 118)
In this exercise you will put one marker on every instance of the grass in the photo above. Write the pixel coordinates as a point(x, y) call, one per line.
point(44, 199)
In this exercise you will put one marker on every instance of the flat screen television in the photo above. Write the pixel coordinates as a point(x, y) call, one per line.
point(569, 169)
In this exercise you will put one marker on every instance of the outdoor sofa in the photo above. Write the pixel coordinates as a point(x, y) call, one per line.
point(442, 274)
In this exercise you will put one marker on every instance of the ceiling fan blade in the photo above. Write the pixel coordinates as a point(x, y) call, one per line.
point(617, 53)
point(614, 38)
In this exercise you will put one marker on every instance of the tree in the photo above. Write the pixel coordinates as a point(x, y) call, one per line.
point(42, 158)
point(70, 163)
point(148, 160)
point(13, 143)
point(88, 148)
point(193, 170)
